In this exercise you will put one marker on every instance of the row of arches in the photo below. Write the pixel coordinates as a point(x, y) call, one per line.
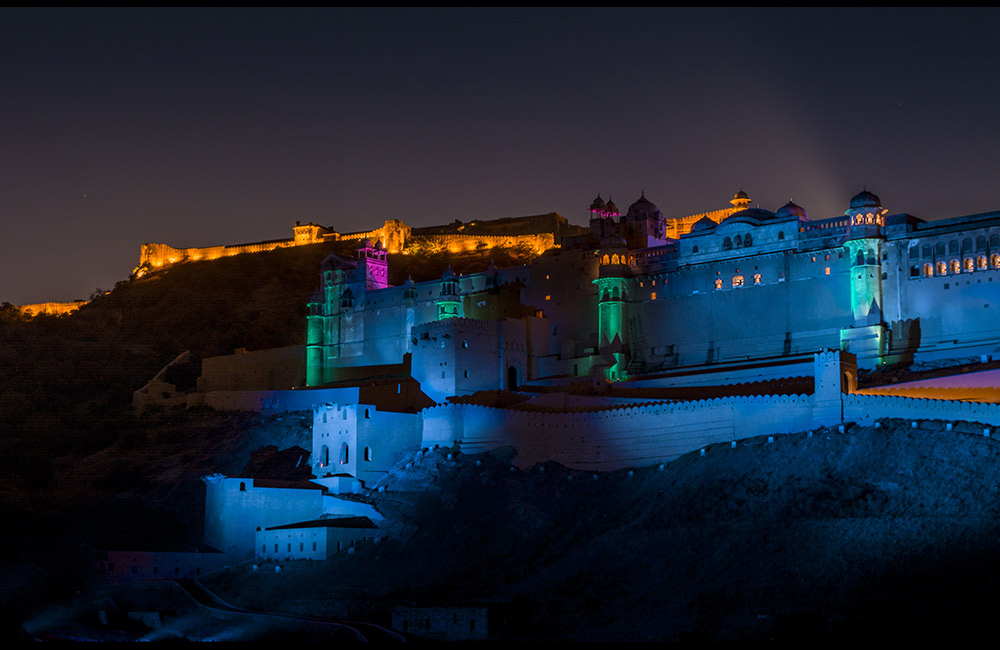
point(737, 242)
point(954, 247)
point(614, 294)
point(956, 266)
point(618, 259)
point(344, 456)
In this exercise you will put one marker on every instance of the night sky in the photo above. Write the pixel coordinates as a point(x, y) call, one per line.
point(206, 127)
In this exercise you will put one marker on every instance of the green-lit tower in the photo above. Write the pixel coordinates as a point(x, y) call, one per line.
point(612, 286)
point(449, 302)
point(866, 337)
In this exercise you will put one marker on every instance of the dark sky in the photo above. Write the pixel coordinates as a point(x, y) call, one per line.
point(205, 127)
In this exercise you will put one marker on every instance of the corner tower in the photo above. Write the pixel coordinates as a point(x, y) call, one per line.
point(866, 337)
point(612, 289)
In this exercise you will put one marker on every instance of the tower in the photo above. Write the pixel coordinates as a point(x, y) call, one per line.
point(612, 288)
point(450, 300)
point(866, 337)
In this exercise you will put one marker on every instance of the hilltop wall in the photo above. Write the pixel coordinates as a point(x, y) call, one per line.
point(394, 236)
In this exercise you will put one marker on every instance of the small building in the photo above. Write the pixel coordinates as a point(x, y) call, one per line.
point(313, 540)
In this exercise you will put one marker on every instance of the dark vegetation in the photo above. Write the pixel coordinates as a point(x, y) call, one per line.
point(80, 472)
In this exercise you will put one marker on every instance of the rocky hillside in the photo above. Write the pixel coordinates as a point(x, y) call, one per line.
point(875, 532)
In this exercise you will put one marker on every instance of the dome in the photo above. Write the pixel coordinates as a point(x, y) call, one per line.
point(703, 224)
point(598, 206)
point(643, 209)
point(448, 274)
point(741, 196)
point(791, 209)
point(755, 214)
point(611, 210)
point(613, 242)
point(865, 199)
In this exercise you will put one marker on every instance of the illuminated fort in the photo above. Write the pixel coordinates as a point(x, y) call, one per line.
point(626, 343)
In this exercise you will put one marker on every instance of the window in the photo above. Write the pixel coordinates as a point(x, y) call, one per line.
point(739, 241)
point(737, 280)
point(981, 263)
point(956, 266)
point(652, 296)
point(727, 243)
point(718, 283)
point(942, 268)
point(995, 260)
point(928, 270)
point(781, 235)
point(243, 486)
point(827, 258)
point(756, 278)
point(368, 454)
point(826, 271)
point(968, 265)
point(548, 297)
point(813, 258)
point(747, 241)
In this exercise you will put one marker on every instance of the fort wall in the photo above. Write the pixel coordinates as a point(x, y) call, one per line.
point(394, 236)
point(614, 438)
point(50, 308)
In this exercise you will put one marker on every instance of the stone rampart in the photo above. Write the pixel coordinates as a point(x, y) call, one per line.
point(51, 308)
point(869, 408)
point(613, 438)
point(394, 236)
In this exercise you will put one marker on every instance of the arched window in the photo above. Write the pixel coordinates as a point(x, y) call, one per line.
point(939, 248)
point(694, 249)
point(860, 260)
point(942, 268)
point(368, 454)
point(756, 278)
point(727, 243)
point(737, 280)
point(781, 235)
point(615, 295)
point(914, 252)
point(614, 259)
point(981, 263)
point(953, 246)
point(511, 378)
point(928, 251)
point(324, 456)
point(243, 486)
point(747, 241)
point(928, 270)
point(980, 243)
point(956, 266)
point(968, 265)
point(995, 260)
point(718, 283)
point(606, 260)
point(739, 241)
point(345, 453)
point(967, 244)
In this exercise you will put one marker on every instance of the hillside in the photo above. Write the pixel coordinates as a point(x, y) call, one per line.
point(79, 470)
point(878, 532)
